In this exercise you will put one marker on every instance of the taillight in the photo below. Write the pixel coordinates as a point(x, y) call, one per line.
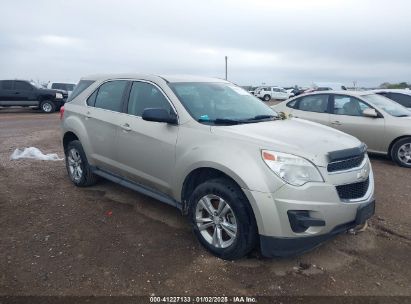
point(62, 112)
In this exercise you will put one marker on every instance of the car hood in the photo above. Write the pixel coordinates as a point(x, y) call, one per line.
point(295, 136)
point(53, 91)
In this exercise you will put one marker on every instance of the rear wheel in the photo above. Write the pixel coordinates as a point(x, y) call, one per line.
point(401, 152)
point(77, 165)
point(267, 97)
point(222, 219)
point(47, 106)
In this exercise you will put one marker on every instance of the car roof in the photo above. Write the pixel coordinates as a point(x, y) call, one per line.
point(402, 91)
point(167, 78)
point(342, 92)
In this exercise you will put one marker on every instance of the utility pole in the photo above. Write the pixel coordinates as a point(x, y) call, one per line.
point(226, 67)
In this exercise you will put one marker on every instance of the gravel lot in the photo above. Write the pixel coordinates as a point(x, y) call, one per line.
point(56, 239)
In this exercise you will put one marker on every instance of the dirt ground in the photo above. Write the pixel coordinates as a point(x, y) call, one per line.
point(56, 239)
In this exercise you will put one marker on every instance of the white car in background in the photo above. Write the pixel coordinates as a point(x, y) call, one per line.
point(65, 86)
point(401, 96)
point(268, 93)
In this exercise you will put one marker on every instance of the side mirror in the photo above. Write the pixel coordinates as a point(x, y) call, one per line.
point(159, 115)
point(370, 113)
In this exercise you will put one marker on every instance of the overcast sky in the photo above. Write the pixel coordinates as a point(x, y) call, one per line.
point(274, 42)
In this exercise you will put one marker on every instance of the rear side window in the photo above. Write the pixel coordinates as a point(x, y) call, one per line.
point(110, 95)
point(22, 86)
point(6, 84)
point(402, 99)
point(314, 103)
point(144, 95)
point(79, 88)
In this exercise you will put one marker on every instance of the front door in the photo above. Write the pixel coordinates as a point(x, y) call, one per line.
point(348, 117)
point(147, 154)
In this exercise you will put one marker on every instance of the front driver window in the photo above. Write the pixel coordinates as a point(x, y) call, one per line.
point(144, 95)
point(347, 105)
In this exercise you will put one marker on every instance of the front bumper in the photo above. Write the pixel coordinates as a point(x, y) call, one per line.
point(281, 247)
point(295, 219)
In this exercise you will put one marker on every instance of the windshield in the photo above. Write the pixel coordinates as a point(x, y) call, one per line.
point(387, 105)
point(63, 86)
point(221, 103)
point(35, 84)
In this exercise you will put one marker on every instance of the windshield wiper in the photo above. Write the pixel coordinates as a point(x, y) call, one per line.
point(220, 121)
point(261, 117)
point(403, 115)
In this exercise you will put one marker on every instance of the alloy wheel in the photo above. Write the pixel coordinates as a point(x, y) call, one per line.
point(216, 221)
point(404, 153)
point(74, 164)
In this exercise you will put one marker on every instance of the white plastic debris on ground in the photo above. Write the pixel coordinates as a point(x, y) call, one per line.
point(33, 153)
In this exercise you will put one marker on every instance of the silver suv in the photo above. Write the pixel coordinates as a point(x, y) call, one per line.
point(241, 173)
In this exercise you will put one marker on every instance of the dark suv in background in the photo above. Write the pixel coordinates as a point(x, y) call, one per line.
point(27, 94)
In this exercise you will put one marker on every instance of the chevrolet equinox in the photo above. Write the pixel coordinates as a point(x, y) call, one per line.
point(243, 174)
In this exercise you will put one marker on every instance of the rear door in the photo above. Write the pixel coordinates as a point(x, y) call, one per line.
point(102, 117)
point(347, 116)
point(146, 151)
point(314, 108)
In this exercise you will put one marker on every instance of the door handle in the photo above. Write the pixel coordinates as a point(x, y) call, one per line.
point(337, 123)
point(16, 93)
point(126, 127)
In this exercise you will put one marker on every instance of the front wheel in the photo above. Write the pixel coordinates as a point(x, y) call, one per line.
point(47, 106)
point(222, 219)
point(401, 152)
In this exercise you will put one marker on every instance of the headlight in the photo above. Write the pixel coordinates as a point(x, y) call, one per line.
point(292, 169)
point(59, 95)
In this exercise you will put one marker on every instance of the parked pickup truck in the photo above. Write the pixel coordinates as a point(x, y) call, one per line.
point(25, 94)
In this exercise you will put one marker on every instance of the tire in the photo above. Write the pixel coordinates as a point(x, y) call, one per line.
point(47, 106)
point(401, 152)
point(267, 97)
point(238, 215)
point(76, 159)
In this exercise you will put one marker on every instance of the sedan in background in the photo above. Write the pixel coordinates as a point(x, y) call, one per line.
point(403, 97)
point(384, 125)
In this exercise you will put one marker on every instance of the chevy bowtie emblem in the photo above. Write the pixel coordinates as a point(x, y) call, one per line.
point(362, 174)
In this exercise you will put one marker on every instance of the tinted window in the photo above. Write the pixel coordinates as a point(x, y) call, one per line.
point(23, 86)
point(144, 95)
point(314, 103)
point(7, 84)
point(79, 88)
point(347, 105)
point(110, 95)
point(402, 99)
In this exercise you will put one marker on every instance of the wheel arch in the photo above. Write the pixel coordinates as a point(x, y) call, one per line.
point(68, 137)
point(201, 174)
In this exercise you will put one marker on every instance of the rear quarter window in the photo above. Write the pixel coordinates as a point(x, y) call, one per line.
point(79, 88)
